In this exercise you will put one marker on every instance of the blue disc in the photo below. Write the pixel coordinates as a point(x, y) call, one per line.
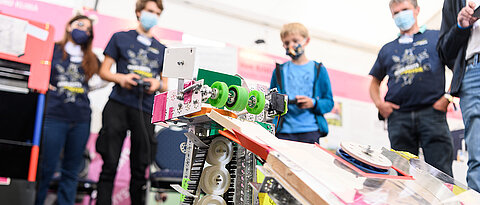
point(357, 163)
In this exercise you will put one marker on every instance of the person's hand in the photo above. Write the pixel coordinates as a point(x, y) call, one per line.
point(51, 87)
point(154, 85)
point(304, 102)
point(465, 18)
point(441, 104)
point(386, 108)
point(126, 80)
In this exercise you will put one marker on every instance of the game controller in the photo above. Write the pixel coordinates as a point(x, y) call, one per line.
point(292, 101)
point(141, 83)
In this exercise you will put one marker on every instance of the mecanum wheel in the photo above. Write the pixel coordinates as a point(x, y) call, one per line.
point(237, 98)
point(212, 200)
point(215, 180)
point(256, 102)
point(220, 151)
point(221, 96)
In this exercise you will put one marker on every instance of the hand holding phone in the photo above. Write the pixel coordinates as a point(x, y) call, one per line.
point(304, 102)
point(468, 15)
point(476, 12)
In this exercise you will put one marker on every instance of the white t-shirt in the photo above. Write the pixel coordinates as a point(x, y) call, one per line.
point(474, 40)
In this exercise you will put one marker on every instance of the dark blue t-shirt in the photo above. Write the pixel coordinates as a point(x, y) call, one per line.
point(69, 101)
point(416, 74)
point(133, 56)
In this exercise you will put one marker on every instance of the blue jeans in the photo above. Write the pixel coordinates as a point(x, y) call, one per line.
point(427, 128)
point(72, 138)
point(470, 105)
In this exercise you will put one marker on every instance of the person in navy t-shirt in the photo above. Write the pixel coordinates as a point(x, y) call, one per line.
point(67, 115)
point(414, 105)
point(138, 56)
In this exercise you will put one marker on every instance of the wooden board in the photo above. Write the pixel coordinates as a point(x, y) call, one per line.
point(321, 178)
point(294, 181)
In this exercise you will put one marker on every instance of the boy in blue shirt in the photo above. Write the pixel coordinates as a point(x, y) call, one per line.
point(137, 56)
point(415, 105)
point(307, 85)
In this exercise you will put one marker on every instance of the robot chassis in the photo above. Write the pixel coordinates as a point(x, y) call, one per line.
point(216, 167)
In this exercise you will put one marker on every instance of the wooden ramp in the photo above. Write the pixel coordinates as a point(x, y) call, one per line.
point(316, 176)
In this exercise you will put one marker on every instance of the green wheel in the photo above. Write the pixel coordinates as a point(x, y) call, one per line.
point(256, 102)
point(237, 98)
point(222, 94)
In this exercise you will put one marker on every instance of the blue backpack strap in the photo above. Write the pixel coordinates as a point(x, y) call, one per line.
point(318, 66)
point(278, 75)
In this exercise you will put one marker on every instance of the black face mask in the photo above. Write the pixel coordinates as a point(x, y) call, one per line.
point(80, 37)
point(296, 52)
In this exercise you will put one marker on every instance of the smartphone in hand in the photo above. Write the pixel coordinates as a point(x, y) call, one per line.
point(476, 13)
point(292, 101)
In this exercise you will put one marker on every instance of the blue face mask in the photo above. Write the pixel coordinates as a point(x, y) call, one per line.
point(404, 20)
point(148, 20)
point(80, 37)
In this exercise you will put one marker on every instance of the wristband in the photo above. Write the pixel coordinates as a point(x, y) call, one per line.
point(449, 97)
point(463, 28)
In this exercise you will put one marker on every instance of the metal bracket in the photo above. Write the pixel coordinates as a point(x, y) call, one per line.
point(194, 138)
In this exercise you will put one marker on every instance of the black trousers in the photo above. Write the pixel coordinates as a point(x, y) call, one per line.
point(116, 120)
point(306, 137)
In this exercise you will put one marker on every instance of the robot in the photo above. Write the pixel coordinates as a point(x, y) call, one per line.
point(214, 165)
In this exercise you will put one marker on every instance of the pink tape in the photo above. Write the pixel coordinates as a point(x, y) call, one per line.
point(170, 113)
point(187, 97)
point(159, 108)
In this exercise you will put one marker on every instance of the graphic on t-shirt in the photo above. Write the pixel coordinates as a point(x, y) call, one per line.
point(408, 65)
point(298, 85)
point(69, 81)
point(140, 64)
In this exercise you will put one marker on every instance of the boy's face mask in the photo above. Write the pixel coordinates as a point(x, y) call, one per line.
point(295, 52)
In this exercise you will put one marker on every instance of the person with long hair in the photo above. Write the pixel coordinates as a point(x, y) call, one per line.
point(68, 113)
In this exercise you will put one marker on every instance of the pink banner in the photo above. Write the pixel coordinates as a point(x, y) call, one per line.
point(256, 65)
point(259, 66)
point(58, 16)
